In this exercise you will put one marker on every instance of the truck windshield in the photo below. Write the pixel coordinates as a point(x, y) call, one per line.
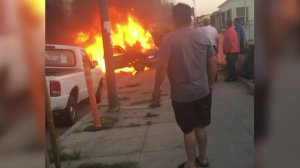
point(60, 58)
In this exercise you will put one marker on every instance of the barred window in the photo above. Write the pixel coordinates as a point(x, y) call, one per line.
point(240, 12)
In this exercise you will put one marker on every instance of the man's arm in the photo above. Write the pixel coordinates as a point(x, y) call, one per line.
point(212, 67)
point(217, 39)
point(161, 70)
point(218, 43)
point(161, 66)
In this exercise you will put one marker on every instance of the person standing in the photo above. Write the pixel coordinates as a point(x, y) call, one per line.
point(190, 63)
point(241, 35)
point(211, 33)
point(242, 46)
point(231, 50)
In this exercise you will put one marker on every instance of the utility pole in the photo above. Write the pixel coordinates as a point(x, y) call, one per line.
point(245, 14)
point(108, 56)
point(194, 9)
point(194, 14)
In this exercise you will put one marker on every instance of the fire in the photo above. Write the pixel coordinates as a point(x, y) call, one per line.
point(37, 7)
point(129, 34)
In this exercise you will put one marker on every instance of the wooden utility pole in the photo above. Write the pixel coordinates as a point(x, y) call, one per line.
point(108, 55)
point(245, 14)
point(194, 9)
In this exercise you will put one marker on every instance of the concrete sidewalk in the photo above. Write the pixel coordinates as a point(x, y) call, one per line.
point(151, 137)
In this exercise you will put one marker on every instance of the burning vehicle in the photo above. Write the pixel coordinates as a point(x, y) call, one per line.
point(133, 58)
point(135, 29)
point(133, 46)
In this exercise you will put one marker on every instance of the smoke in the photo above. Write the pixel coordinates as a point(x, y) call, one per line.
point(65, 18)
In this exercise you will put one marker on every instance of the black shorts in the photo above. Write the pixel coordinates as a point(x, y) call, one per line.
point(190, 115)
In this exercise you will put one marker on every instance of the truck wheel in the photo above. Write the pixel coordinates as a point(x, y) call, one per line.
point(99, 91)
point(71, 110)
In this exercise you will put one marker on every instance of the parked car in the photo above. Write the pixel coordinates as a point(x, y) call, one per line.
point(66, 80)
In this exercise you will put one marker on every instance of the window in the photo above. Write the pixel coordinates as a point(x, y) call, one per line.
point(240, 12)
point(60, 58)
point(223, 24)
point(228, 13)
point(242, 20)
point(241, 16)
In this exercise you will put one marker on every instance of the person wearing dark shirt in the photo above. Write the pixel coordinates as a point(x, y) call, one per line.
point(189, 60)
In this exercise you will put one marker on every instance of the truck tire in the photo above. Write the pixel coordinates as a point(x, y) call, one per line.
point(99, 91)
point(71, 110)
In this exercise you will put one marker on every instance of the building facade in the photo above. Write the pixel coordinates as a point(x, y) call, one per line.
point(242, 10)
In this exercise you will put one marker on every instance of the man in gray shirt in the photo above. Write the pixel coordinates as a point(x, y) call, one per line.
point(189, 60)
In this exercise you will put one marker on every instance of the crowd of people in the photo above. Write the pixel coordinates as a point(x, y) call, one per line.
point(234, 47)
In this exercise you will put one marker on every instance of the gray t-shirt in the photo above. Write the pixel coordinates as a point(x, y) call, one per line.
point(186, 51)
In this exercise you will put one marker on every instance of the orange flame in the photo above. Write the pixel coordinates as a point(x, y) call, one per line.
point(128, 34)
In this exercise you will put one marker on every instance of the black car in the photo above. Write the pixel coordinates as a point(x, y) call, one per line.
point(133, 58)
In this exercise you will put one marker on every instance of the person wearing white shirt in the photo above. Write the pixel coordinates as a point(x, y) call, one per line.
point(211, 33)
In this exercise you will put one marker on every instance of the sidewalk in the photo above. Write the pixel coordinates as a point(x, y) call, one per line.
point(151, 137)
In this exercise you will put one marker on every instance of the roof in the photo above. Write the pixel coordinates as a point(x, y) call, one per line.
point(202, 16)
point(216, 12)
point(223, 3)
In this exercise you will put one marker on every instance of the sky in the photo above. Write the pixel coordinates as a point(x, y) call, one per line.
point(203, 6)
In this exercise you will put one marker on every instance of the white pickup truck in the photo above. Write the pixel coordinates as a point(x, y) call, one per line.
point(66, 80)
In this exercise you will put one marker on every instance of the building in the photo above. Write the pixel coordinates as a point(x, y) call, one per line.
point(242, 10)
point(217, 21)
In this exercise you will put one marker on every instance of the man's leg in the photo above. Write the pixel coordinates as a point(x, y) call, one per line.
point(230, 64)
point(232, 58)
point(190, 147)
point(227, 62)
point(185, 116)
point(201, 136)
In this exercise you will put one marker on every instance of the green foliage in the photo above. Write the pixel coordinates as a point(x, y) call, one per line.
point(65, 154)
point(108, 122)
point(151, 115)
point(154, 104)
point(123, 98)
point(134, 125)
point(141, 102)
point(133, 85)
